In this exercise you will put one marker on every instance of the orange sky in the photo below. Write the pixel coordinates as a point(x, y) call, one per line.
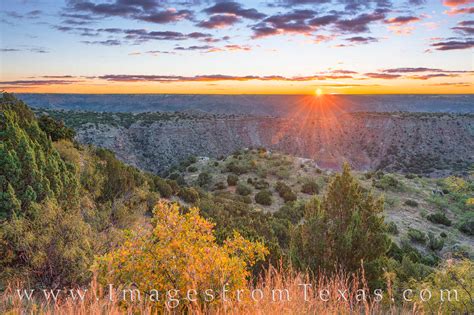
point(251, 87)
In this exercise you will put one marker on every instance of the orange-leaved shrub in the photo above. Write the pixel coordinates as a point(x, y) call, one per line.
point(180, 253)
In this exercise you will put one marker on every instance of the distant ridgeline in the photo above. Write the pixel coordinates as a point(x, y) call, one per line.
point(260, 105)
point(434, 144)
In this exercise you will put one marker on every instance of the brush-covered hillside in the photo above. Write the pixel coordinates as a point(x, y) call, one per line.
point(434, 215)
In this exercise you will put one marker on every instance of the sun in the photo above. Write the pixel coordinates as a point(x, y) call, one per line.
point(318, 92)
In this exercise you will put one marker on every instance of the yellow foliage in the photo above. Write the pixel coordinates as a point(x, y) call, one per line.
point(457, 277)
point(67, 151)
point(455, 184)
point(470, 202)
point(180, 253)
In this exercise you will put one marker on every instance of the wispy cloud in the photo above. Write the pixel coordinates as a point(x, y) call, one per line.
point(453, 44)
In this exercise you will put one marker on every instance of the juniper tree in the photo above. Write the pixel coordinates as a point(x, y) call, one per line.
point(341, 231)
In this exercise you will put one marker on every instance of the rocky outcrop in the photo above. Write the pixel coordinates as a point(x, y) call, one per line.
point(433, 144)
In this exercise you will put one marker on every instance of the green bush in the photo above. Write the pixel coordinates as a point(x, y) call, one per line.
point(243, 190)
point(416, 236)
point(293, 212)
point(285, 192)
point(388, 182)
point(55, 129)
point(264, 197)
point(467, 227)
point(310, 188)
point(189, 194)
point(237, 168)
point(220, 186)
point(435, 244)
point(163, 187)
point(244, 199)
point(174, 186)
point(232, 179)
point(192, 169)
point(178, 178)
point(411, 203)
point(327, 232)
point(191, 159)
point(392, 228)
point(204, 179)
point(260, 184)
point(439, 218)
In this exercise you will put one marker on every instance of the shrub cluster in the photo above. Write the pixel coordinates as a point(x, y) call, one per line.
point(285, 192)
point(416, 236)
point(232, 179)
point(243, 189)
point(439, 218)
point(189, 194)
point(310, 187)
point(411, 203)
point(264, 197)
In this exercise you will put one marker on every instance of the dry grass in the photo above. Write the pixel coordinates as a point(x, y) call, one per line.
point(273, 279)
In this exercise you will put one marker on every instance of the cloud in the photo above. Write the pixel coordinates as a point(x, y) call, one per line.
point(57, 76)
point(262, 30)
point(411, 70)
point(76, 22)
point(453, 44)
point(349, 5)
point(34, 13)
point(152, 52)
point(135, 36)
point(343, 71)
point(319, 38)
point(402, 20)
point(360, 23)
point(323, 20)
point(234, 8)
point(211, 49)
point(142, 35)
point(215, 78)
point(431, 76)
point(37, 82)
point(204, 47)
point(144, 4)
point(455, 3)
point(37, 50)
point(385, 76)
point(455, 11)
point(423, 73)
point(456, 84)
point(362, 40)
point(108, 42)
point(219, 21)
point(465, 27)
point(233, 47)
point(291, 22)
point(106, 9)
point(166, 16)
point(416, 2)
point(144, 10)
point(29, 15)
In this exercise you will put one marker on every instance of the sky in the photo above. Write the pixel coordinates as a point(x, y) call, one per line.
point(237, 47)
